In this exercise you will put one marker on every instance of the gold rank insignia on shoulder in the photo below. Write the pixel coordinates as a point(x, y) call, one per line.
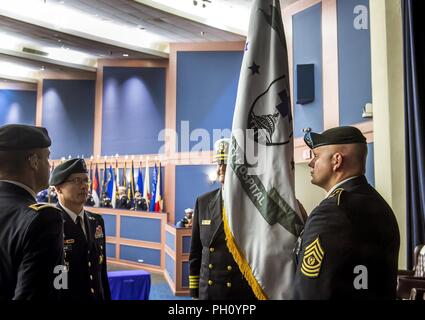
point(206, 222)
point(40, 206)
point(312, 260)
point(337, 193)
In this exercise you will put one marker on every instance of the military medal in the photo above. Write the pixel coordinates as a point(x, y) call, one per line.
point(99, 232)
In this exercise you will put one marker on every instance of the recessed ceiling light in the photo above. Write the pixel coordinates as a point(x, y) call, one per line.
point(42, 68)
point(125, 54)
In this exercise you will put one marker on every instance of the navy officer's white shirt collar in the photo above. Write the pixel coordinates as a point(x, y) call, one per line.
point(21, 185)
point(338, 184)
point(74, 216)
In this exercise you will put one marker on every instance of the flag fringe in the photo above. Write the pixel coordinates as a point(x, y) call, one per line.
point(241, 261)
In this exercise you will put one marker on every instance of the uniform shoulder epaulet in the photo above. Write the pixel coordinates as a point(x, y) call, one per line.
point(336, 194)
point(41, 206)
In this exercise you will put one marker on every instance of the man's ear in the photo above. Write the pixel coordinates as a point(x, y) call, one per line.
point(57, 189)
point(33, 161)
point(337, 160)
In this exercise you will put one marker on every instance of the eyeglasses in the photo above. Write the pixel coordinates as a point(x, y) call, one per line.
point(79, 181)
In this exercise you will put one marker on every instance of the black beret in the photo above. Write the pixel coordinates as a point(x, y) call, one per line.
point(338, 135)
point(23, 137)
point(65, 169)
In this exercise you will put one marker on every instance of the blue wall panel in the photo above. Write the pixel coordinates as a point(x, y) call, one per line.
point(110, 250)
point(185, 274)
point(169, 266)
point(110, 224)
point(370, 173)
point(191, 182)
point(17, 106)
point(355, 86)
point(68, 114)
point(141, 255)
point(307, 49)
point(169, 240)
point(207, 85)
point(144, 229)
point(186, 244)
point(133, 110)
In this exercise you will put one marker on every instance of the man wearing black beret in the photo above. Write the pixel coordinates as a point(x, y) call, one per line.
point(31, 234)
point(349, 248)
point(84, 235)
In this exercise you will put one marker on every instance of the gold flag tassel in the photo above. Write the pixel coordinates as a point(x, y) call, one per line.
point(241, 261)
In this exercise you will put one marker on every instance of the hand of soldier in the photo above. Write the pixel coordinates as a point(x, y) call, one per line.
point(304, 214)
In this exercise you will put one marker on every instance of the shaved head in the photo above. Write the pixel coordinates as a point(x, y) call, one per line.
point(354, 157)
point(334, 163)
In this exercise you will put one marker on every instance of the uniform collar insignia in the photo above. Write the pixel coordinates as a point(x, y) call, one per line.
point(336, 193)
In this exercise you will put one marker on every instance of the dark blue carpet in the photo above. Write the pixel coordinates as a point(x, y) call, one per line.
point(161, 291)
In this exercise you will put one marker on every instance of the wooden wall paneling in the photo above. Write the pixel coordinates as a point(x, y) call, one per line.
point(24, 86)
point(97, 136)
point(330, 64)
point(39, 106)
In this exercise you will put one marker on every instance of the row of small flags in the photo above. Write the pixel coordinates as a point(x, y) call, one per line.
point(112, 180)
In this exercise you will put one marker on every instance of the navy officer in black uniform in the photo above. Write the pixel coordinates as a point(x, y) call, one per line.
point(349, 248)
point(122, 202)
point(139, 202)
point(31, 235)
point(84, 235)
point(213, 273)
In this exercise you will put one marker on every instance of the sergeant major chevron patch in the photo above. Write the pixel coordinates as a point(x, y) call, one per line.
point(312, 260)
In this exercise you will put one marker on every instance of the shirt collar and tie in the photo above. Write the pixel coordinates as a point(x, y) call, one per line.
point(76, 218)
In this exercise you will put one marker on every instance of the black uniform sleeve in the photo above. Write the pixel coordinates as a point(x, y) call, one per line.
point(105, 281)
point(42, 252)
point(195, 256)
point(322, 262)
point(144, 205)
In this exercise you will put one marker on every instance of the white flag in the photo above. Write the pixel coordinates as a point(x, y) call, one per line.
point(260, 209)
point(146, 187)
